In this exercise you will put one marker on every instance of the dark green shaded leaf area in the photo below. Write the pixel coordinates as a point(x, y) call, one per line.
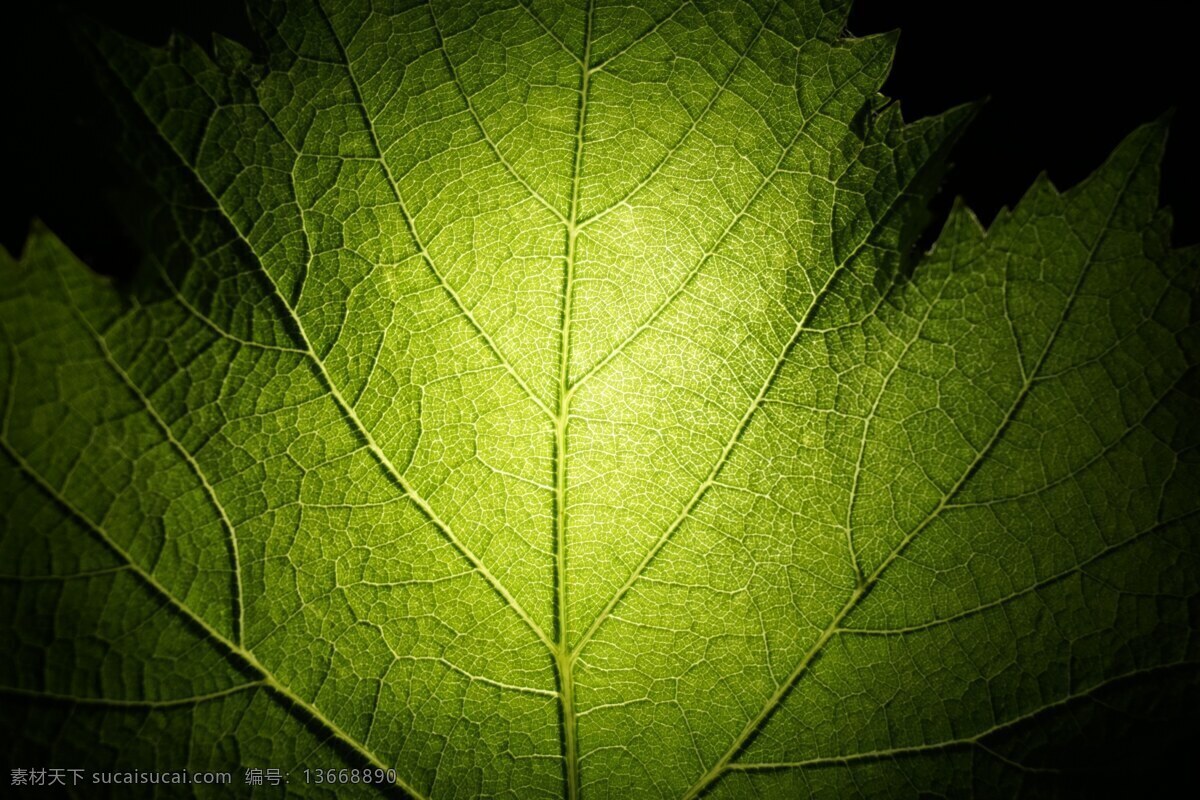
point(539, 399)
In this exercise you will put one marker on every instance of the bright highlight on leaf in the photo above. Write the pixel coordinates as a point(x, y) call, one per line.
point(538, 399)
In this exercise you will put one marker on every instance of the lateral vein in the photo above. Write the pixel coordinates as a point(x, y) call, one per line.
point(356, 424)
point(239, 607)
point(239, 656)
point(862, 589)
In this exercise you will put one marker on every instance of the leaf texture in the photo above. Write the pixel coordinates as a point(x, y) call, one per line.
point(538, 399)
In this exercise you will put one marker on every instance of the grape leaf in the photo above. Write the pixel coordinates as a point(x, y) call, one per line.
point(539, 399)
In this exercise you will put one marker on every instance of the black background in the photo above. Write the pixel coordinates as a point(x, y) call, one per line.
point(1065, 81)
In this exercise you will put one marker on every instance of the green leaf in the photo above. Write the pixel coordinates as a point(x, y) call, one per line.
point(538, 399)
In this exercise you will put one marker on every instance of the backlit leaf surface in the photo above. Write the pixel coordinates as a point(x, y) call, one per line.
point(538, 399)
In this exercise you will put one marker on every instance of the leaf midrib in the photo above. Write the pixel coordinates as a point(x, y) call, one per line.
point(563, 660)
